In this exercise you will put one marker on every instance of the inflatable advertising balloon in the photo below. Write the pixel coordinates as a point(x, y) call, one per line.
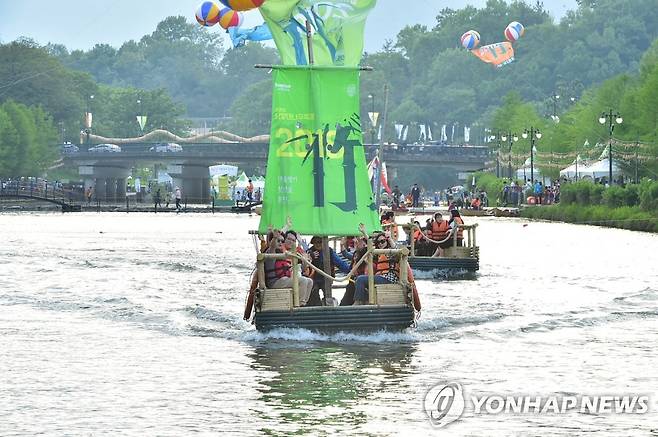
point(470, 40)
point(242, 5)
point(497, 54)
point(207, 14)
point(229, 18)
point(514, 31)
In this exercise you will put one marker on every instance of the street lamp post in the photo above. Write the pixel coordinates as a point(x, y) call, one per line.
point(372, 118)
point(611, 118)
point(497, 137)
point(533, 133)
point(373, 123)
point(512, 139)
point(555, 97)
point(88, 118)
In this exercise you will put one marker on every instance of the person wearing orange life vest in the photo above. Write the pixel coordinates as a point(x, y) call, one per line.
point(250, 191)
point(290, 238)
point(278, 273)
point(440, 231)
point(476, 203)
point(386, 269)
point(420, 243)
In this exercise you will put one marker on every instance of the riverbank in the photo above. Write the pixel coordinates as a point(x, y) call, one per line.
point(132, 208)
point(628, 217)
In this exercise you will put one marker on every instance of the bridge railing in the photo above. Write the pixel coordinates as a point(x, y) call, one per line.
point(39, 190)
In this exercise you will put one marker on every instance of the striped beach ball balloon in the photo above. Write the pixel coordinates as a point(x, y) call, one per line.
point(229, 18)
point(514, 31)
point(242, 5)
point(470, 39)
point(208, 14)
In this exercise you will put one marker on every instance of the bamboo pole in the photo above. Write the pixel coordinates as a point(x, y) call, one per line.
point(295, 277)
point(371, 275)
point(261, 271)
point(326, 267)
point(404, 265)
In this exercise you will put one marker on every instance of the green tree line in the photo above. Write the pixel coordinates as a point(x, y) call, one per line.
point(578, 132)
point(27, 136)
point(36, 85)
point(187, 60)
point(182, 70)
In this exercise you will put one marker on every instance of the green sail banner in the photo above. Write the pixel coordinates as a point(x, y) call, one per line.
point(337, 26)
point(316, 167)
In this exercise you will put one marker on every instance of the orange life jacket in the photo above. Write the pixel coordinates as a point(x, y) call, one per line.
point(282, 268)
point(385, 265)
point(440, 230)
point(417, 235)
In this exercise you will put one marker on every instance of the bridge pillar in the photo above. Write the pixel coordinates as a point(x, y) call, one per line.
point(111, 189)
point(121, 190)
point(100, 190)
point(193, 181)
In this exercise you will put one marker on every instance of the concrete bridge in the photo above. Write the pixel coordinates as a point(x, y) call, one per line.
point(107, 171)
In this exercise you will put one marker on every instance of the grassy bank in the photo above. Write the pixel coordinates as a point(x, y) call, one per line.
point(627, 217)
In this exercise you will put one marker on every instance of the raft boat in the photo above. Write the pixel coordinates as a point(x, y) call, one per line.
point(391, 307)
point(459, 261)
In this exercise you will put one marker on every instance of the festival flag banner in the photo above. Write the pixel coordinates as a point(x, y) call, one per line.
point(498, 54)
point(316, 168)
point(141, 120)
point(374, 116)
point(337, 28)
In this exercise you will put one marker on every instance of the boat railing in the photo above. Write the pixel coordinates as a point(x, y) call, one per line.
point(468, 244)
point(403, 287)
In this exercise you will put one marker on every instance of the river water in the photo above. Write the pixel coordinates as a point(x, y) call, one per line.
point(132, 324)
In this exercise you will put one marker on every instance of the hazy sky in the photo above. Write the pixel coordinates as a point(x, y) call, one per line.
point(80, 24)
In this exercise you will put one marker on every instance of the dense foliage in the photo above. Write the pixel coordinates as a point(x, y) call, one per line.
point(627, 217)
point(185, 59)
point(644, 195)
point(56, 98)
point(598, 57)
point(27, 136)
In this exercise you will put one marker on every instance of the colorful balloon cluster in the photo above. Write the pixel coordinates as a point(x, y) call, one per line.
point(209, 13)
point(513, 32)
point(470, 39)
point(242, 5)
point(229, 18)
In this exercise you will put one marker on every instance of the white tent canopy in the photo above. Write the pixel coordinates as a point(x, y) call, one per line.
point(600, 169)
point(523, 173)
point(574, 171)
point(220, 170)
point(243, 181)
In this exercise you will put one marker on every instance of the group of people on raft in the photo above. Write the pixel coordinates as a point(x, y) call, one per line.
point(441, 232)
point(278, 273)
point(433, 238)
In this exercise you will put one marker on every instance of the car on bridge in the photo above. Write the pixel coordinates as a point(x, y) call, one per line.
point(166, 147)
point(105, 148)
point(69, 149)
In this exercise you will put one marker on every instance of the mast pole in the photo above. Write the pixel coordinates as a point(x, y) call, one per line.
point(380, 153)
point(326, 253)
point(309, 42)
